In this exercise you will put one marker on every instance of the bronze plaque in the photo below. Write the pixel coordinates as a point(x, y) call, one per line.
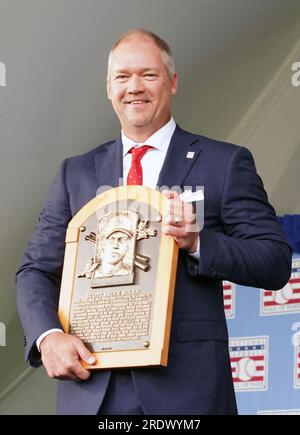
point(118, 279)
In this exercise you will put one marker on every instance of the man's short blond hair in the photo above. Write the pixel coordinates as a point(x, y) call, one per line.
point(165, 49)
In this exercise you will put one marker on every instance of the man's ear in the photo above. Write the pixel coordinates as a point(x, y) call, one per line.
point(174, 84)
point(108, 89)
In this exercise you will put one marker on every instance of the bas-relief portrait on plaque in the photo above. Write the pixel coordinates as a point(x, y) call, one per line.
point(115, 249)
point(122, 279)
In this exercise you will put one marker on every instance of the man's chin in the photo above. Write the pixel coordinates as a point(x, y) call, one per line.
point(115, 261)
point(139, 120)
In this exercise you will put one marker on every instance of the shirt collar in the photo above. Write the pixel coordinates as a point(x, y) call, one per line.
point(160, 139)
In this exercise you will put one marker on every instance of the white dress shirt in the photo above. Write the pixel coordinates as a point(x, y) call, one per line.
point(153, 160)
point(151, 163)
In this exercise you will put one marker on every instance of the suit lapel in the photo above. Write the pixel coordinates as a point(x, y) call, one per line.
point(109, 161)
point(177, 165)
point(109, 164)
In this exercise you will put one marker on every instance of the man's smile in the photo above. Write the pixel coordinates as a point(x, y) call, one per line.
point(137, 102)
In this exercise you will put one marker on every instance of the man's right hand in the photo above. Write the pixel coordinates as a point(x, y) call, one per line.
point(61, 354)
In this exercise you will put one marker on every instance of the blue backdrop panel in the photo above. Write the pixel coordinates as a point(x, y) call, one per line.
point(264, 330)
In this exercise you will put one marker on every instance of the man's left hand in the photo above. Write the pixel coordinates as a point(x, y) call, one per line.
point(180, 222)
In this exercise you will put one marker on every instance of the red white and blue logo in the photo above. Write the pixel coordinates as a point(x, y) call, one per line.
point(286, 300)
point(249, 362)
point(229, 299)
point(296, 342)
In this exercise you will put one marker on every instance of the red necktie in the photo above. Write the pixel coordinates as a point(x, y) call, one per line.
point(135, 174)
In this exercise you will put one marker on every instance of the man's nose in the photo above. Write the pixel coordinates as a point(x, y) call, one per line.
point(135, 85)
point(115, 242)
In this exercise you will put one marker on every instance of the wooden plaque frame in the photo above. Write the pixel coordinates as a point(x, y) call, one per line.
point(156, 352)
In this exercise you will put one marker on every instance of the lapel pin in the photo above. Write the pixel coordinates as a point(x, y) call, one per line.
point(190, 155)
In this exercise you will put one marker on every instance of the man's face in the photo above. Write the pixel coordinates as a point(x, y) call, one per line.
point(139, 87)
point(116, 247)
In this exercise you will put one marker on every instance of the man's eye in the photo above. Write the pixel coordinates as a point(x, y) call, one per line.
point(121, 77)
point(150, 76)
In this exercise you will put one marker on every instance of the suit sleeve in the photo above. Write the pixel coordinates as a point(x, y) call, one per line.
point(251, 249)
point(38, 277)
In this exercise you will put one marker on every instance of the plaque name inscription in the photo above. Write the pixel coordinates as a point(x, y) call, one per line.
point(112, 317)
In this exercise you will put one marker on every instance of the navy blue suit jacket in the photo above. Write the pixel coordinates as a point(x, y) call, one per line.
point(241, 241)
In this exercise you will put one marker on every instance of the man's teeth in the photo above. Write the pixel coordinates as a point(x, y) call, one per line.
point(137, 102)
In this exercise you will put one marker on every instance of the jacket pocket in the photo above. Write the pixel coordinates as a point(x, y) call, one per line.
point(200, 330)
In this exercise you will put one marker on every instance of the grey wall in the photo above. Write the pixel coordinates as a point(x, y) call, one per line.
point(54, 104)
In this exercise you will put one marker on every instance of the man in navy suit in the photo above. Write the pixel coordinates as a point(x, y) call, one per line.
point(241, 241)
